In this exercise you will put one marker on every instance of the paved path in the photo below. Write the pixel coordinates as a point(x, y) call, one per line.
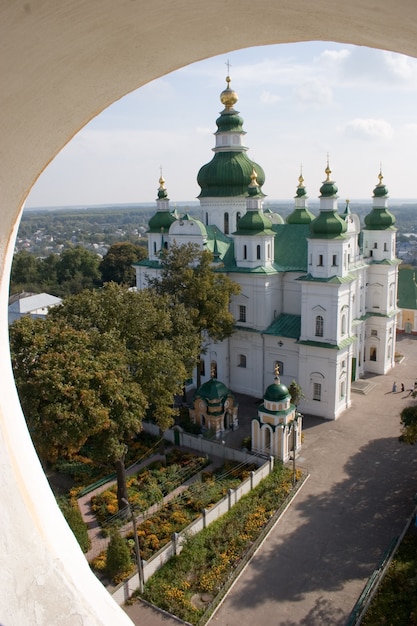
point(315, 563)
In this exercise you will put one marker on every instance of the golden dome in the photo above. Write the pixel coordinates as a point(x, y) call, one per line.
point(228, 97)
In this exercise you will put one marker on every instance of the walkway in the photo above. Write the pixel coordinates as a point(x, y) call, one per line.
point(315, 563)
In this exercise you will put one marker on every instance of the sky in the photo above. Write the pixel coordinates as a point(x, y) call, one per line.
point(301, 104)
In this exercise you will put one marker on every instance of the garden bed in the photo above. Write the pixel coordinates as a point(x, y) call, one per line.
point(189, 583)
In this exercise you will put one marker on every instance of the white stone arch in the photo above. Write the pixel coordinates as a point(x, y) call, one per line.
point(65, 63)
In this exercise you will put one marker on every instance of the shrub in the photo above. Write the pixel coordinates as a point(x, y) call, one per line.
point(118, 561)
point(75, 521)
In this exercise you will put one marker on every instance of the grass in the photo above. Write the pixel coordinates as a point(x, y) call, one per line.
point(395, 603)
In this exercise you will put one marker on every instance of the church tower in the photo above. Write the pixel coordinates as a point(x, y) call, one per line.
point(381, 287)
point(225, 179)
point(326, 324)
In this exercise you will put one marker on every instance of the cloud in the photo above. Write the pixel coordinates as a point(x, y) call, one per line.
point(332, 56)
point(314, 94)
point(369, 129)
point(269, 98)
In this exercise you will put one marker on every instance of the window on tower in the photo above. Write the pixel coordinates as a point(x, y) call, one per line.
point(319, 326)
point(258, 252)
point(226, 224)
point(245, 252)
point(320, 263)
point(317, 392)
point(242, 360)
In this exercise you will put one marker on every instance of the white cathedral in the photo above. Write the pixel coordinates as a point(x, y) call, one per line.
point(318, 295)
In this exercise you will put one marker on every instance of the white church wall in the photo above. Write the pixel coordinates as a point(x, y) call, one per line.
point(290, 293)
point(246, 363)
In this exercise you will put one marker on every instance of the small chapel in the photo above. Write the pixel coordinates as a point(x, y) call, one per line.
point(318, 292)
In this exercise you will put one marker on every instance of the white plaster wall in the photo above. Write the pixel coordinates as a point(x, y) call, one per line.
point(62, 63)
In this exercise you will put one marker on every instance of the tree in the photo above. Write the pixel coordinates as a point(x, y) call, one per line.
point(90, 372)
point(116, 265)
point(72, 385)
point(296, 393)
point(188, 277)
point(24, 273)
point(118, 561)
point(78, 269)
point(408, 420)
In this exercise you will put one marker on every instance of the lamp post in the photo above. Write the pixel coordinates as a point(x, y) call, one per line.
point(137, 548)
point(294, 427)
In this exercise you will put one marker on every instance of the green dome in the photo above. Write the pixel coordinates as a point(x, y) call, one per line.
point(229, 121)
point(254, 223)
point(277, 392)
point(162, 220)
point(379, 219)
point(381, 190)
point(300, 215)
point(328, 225)
point(213, 389)
point(228, 174)
point(328, 188)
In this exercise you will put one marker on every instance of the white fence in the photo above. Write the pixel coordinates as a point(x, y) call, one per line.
point(125, 590)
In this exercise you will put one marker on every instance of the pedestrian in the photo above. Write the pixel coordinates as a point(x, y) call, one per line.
point(394, 388)
point(402, 387)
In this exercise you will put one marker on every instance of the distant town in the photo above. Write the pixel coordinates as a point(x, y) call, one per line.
point(45, 231)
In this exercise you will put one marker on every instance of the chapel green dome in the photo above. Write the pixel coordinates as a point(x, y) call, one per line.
point(213, 389)
point(277, 392)
point(301, 214)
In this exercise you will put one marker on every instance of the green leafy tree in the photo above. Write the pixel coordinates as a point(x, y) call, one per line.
point(78, 269)
point(188, 277)
point(155, 346)
point(75, 521)
point(119, 561)
point(25, 274)
point(296, 392)
point(408, 420)
point(116, 265)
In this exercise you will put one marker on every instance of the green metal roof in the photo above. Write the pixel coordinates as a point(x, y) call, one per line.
point(332, 346)
point(291, 247)
point(285, 325)
point(335, 280)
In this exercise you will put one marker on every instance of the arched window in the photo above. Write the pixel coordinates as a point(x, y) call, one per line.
point(269, 252)
point(166, 245)
point(226, 224)
point(213, 369)
point(242, 313)
point(372, 353)
point(258, 251)
point(343, 325)
point(154, 247)
point(279, 367)
point(319, 326)
point(206, 219)
point(245, 252)
point(242, 360)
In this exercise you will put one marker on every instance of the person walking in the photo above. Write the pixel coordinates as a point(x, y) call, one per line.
point(402, 387)
point(394, 388)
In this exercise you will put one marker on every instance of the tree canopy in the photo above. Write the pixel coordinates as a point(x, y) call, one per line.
point(188, 277)
point(91, 371)
point(116, 265)
point(409, 425)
